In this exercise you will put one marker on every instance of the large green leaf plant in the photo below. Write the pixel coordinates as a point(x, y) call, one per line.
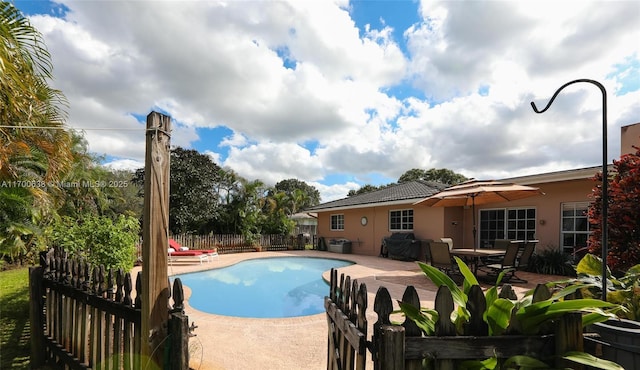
point(505, 316)
point(624, 290)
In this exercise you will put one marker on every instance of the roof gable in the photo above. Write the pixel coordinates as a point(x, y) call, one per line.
point(406, 192)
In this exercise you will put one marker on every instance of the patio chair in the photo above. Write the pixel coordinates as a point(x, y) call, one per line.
point(507, 264)
point(527, 252)
point(442, 260)
point(449, 242)
point(501, 244)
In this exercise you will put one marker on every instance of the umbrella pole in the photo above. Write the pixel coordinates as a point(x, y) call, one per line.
point(473, 210)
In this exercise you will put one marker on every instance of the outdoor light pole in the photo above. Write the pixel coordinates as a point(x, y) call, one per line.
point(605, 195)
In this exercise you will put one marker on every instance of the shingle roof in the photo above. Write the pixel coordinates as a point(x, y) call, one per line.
point(408, 192)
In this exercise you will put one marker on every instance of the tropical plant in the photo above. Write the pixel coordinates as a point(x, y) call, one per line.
point(624, 290)
point(34, 146)
point(249, 204)
point(623, 223)
point(18, 222)
point(301, 194)
point(511, 316)
point(276, 220)
point(99, 240)
point(551, 261)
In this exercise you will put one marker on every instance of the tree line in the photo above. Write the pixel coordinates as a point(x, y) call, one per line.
point(205, 197)
point(441, 175)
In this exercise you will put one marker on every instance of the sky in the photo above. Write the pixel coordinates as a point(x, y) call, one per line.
point(342, 93)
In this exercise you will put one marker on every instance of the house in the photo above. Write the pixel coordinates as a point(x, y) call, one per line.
point(557, 219)
point(306, 223)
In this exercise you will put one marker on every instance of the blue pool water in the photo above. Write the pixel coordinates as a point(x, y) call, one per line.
point(267, 287)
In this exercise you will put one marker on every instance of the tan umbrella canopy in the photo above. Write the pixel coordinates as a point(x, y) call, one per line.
point(474, 192)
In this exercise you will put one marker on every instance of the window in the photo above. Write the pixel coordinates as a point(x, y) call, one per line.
point(401, 220)
point(491, 226)
point(337, 222)
point(575, 226)
point(510, 223)
point(521, 224)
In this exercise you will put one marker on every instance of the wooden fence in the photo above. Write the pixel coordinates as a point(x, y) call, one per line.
point(89, 318)
point(404, 346)
point(235, 243)
point(346, 316)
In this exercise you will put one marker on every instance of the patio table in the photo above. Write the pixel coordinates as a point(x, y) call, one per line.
point(474, 255)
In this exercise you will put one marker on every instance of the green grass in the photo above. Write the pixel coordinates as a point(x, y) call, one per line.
point(14, 319)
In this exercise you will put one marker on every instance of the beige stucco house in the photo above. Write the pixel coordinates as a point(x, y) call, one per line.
point(556, 219)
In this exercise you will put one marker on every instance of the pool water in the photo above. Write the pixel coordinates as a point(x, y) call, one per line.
point(264, 288)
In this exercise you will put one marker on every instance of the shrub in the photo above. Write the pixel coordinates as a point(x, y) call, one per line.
point(623, 222)
point(552, 261)
point(99, 240)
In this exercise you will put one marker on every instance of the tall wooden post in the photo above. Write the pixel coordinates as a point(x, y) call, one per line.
point(155, 240)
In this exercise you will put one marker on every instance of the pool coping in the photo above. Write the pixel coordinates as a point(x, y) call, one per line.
point(228, 342)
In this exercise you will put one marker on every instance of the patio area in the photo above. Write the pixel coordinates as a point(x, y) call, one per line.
point(231, 343)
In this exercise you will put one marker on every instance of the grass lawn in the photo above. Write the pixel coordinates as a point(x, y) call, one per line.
point(14, 319)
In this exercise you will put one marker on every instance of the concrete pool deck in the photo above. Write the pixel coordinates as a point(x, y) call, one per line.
point(233, 343)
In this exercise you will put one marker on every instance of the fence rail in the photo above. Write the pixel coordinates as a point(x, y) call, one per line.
point(85, 317)
point(404, 346)
point(236, 243)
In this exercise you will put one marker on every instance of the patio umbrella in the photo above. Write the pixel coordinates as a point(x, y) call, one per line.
point(472, 193)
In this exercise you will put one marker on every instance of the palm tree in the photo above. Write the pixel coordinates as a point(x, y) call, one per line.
point(27, 101)
point(32, 157)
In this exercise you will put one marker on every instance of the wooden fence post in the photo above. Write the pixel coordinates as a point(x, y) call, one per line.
point(410, 296)
point(35, 316)
point(444, 326)
point(569, 337)
point(179, 330)
point(155, 239)
point(391, 349)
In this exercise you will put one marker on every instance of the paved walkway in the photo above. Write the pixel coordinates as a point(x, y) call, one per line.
point(233, 343)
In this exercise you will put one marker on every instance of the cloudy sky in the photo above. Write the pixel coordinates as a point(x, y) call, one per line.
point(345, 93)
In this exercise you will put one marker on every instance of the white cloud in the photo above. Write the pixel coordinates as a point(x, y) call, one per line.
point(124, 164)
point(308, 95)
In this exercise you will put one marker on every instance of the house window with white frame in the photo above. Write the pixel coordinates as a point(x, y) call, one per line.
point(575, 226)
point(508, 223)
point(337, 222)
point(401, 220)
point(521, 224)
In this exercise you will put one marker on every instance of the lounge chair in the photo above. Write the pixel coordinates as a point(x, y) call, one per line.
point(175, 256)
point(178, 252)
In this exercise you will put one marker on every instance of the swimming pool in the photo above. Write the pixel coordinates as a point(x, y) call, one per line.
point(264, 288)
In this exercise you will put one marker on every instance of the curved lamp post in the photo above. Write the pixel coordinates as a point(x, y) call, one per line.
point(605, 194)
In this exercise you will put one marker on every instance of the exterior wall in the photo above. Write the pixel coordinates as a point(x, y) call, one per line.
point(429, 223)
point(548, 209)
point(456, 222)
point(630, 135)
